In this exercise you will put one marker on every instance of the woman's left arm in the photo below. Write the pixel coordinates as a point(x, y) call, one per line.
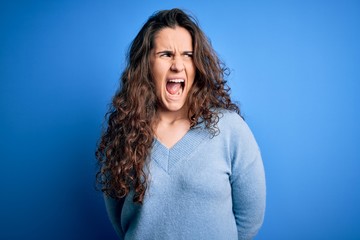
point(248, 186)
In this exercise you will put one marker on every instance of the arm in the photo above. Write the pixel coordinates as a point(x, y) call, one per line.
point(248, 186)
point(113, 208)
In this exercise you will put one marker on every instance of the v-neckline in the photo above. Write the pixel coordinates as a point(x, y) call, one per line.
point(167, 158)
point(176, 143)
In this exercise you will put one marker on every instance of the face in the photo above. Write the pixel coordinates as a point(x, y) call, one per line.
point(173, 68)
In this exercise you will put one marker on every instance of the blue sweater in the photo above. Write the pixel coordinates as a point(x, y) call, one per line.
point(203, 187)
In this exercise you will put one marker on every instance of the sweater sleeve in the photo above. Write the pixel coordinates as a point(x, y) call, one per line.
point(247, 182)
point(113, 208)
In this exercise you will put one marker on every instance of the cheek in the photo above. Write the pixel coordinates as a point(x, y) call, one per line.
point(159, 72)
point(191, 76)
point(156, 75)
point(190, 69)
point(158, 86)
point(191, 84)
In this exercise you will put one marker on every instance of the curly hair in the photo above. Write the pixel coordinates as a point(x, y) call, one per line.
point(128, 137)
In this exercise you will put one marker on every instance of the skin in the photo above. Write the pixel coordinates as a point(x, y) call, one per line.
point(171, 59)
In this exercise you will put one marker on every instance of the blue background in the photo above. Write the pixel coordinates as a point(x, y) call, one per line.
point(295, 72)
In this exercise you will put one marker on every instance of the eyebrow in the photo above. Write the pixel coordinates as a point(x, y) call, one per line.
point(172, 52)
point(188, 52)
point(166, 51)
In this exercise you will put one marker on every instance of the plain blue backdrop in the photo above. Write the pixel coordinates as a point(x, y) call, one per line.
point(295, 72)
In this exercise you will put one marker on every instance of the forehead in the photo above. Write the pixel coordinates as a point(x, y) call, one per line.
point(171, 38)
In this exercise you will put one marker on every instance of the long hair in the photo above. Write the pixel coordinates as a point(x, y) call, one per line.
point(127, 140)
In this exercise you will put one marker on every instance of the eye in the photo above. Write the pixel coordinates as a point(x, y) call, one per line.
point(166, 54)
point(188, 55)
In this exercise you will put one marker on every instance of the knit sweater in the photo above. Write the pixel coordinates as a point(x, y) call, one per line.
point(204, 187)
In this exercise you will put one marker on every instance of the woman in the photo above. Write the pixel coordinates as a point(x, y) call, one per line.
point(176, 160)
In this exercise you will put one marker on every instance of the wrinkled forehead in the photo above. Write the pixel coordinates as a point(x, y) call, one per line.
point(173, 38)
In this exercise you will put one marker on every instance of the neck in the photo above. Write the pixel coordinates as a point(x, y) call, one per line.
point(172, 117)
point(171, 127)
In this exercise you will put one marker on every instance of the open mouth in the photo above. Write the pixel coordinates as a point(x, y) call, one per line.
point(175, 86)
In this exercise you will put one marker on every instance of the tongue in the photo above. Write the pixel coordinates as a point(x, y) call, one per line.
point(173, 88)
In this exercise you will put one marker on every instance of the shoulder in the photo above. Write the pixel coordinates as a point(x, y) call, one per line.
point(233, 127)
point(228, 116)
point(232, 122)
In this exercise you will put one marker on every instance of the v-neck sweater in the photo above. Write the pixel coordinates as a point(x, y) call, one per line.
point(204, 187)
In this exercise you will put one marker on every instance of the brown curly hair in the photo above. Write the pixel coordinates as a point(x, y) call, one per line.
point(127, 140)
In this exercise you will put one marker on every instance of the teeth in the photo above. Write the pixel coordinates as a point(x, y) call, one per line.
point(176, 80)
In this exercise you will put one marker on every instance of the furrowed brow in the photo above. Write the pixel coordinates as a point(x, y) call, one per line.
point(188, 52)
point(165, 52)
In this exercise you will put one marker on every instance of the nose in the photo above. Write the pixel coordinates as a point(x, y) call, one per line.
point(177, 65)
